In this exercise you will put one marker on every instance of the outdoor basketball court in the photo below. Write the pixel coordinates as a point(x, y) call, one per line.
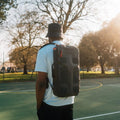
point(99, 99)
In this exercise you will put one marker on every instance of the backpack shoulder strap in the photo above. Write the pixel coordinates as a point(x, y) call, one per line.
point(47, 77)
point(47, 44)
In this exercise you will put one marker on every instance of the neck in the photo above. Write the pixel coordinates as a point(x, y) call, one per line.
point(51, 40)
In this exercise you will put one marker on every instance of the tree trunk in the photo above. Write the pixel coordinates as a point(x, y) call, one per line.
point(102, 69)
point(87, 69)
point(25, 69)
point(116, 67)
point(102, 66)
point(116, 70)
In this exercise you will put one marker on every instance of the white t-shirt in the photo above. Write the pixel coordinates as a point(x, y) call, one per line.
point(44, 64)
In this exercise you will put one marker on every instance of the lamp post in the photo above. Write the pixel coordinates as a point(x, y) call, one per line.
point(99, 58)
point(116, 64)
point(3, 67)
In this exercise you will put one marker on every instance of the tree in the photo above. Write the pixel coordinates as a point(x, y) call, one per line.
point(65, 12)
point(103, 46)
point(96, 48)
point(114, 32)
point(24, 36)
point(5, 5)
point(24, 58)
point(88, 57)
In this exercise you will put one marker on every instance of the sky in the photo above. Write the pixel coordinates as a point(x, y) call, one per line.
point(105, 12)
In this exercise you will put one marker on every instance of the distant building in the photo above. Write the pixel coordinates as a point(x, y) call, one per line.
point(96, 68)
point(8, 67)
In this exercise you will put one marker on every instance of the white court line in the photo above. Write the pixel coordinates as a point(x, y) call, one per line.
point(100, 115)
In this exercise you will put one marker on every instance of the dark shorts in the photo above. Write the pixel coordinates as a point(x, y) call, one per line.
point(47, 112)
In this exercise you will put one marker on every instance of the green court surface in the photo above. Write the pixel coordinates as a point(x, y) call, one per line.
point(99, 99)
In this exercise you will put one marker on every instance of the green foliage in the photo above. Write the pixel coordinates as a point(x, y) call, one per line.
point(101, 46)
point(114, 28)
point(88, 57)
point(5, 5)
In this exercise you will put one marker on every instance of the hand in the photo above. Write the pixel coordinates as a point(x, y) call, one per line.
point(38, 107)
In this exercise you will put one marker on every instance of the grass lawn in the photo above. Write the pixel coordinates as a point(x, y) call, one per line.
point(11, 77)
point(91, 75)
point(19, 76)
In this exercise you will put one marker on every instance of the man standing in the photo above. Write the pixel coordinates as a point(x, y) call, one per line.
point(50, 106)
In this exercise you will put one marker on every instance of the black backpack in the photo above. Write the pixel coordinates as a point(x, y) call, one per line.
point(65, 71)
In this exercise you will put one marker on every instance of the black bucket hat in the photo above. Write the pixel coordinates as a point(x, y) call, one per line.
point(55, 30)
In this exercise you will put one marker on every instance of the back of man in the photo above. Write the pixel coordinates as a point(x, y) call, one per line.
point(50, 106)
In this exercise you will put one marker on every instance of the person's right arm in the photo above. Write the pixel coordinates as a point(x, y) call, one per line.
point(40, 88)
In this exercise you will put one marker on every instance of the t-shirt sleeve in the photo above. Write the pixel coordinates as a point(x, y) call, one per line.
point(41, 62)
